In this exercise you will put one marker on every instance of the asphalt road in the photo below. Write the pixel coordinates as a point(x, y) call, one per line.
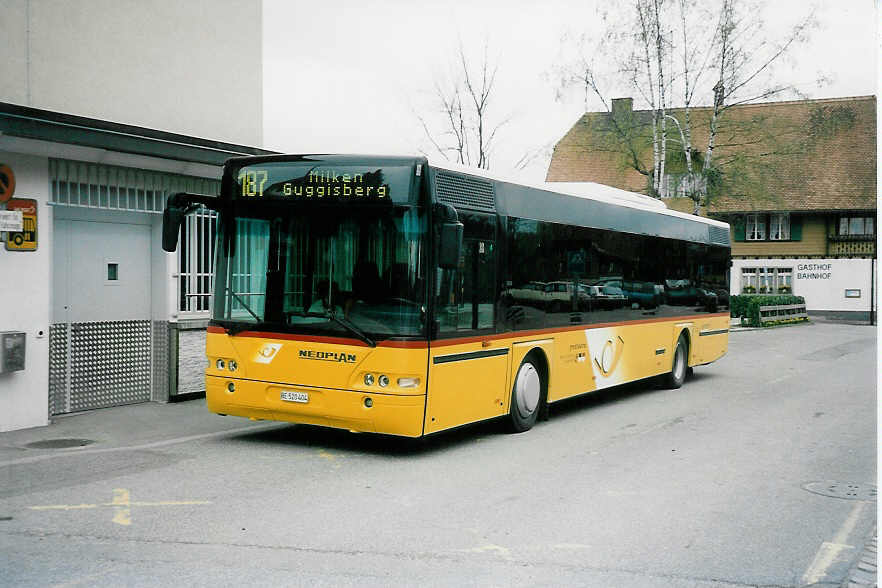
point(714, 484)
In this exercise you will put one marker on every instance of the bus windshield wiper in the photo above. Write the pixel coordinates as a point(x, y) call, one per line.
point(343, 322)
point(243, 303)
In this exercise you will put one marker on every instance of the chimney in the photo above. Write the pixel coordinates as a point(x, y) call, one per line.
point(622, 106)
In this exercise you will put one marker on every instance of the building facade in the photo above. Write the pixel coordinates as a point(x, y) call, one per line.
point(107, 108)
point(795, 180)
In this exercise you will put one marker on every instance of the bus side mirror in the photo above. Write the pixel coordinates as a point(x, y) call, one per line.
point(451, 245)
point(172, 217)
point(176, 208)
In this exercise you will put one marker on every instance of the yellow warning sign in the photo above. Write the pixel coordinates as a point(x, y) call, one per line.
point(26, 239)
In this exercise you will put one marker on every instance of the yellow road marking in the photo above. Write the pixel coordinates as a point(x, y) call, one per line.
point(122, 505)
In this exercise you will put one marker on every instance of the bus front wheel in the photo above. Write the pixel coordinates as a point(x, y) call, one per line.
point(679, 367)
point(527, 396)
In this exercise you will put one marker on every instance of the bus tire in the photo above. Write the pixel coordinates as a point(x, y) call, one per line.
point(679, 365)
point(527, 395)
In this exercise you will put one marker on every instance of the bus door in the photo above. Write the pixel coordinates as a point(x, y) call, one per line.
point(467, 367)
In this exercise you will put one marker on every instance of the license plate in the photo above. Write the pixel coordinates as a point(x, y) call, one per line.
point(292, 396)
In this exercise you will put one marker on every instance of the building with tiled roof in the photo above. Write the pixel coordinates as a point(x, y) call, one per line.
point(796, 181)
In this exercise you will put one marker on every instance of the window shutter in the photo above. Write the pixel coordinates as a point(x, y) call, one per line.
point(795, 228)
point(738, 228)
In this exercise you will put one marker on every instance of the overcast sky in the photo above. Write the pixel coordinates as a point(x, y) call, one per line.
point(349, 76)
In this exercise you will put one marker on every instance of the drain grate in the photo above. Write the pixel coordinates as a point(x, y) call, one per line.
point(844, 490)
point(59, 443)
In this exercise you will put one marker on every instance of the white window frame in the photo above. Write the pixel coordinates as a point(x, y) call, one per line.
point(756, 227)
point(779, 227)
point(784, 278)
point(748, 279)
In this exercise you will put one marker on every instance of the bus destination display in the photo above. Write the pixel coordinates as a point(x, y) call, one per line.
point(314, 184)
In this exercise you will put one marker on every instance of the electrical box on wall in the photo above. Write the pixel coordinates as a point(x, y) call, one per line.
point(12, 351)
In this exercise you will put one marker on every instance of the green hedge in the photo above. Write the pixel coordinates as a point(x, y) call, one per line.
point(748, 305)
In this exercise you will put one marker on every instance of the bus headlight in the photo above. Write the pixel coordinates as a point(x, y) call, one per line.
point(369, 379)
point(219, 364)
point(383, 381)
point(408, 382)
point(232, 365)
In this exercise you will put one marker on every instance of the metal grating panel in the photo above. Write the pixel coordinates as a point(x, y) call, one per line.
point(717, 235)
point(464, 191)
point(57, 369)
point(110, 364)
point(160, 360)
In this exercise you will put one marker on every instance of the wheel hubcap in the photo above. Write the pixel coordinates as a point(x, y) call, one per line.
point(527, 389)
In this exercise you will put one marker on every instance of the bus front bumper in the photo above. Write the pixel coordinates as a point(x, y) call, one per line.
point(342, 409)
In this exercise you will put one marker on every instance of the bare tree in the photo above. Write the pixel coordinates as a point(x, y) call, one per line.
point(460, 129)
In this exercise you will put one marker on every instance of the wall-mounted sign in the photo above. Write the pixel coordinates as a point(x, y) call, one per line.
point(10, 220)
point(26, 238)
point(7, 182)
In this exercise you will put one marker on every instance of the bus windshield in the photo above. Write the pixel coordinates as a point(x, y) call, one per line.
point(352, 271)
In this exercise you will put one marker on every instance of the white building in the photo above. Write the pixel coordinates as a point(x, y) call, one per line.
point(106, 108)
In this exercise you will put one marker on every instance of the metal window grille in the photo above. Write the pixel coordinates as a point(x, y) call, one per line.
point(196, 262)
point(110, 187)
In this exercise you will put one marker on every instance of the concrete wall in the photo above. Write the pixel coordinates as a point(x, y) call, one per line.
point(187, 67)
point(822, 282)
point(25, 290)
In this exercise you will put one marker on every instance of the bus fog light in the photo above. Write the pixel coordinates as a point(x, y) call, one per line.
point(369, 379)
point(231, 387)
point(408, 382)
point(219, 364)
point(383, 381)
point(232, 365)
point(368, 402)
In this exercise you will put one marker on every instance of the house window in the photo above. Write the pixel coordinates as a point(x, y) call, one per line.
point(748, 280)
point(784, 280)
point(756, 227)
point(856, 225)
point(779, 227)
point(767, 280)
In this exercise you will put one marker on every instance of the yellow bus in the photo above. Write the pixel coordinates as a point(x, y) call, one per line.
point(397, 296)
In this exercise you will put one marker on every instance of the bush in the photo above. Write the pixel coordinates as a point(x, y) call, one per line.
point(749, 306)
point(738, 305)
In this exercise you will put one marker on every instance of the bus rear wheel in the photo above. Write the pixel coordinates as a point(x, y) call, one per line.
point(527, 396)
point(679, 366)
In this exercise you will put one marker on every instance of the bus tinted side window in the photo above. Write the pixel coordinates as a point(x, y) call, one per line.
point(561, 275)
point(466, 296)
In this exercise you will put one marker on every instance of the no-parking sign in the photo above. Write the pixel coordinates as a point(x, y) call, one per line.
point(7, 182)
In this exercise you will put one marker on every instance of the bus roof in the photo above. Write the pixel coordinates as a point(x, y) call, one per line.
point(587, 190)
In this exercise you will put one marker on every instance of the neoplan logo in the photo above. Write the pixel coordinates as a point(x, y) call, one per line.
point(327, 356)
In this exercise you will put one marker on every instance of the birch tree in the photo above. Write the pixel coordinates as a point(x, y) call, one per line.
point(723, 57)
